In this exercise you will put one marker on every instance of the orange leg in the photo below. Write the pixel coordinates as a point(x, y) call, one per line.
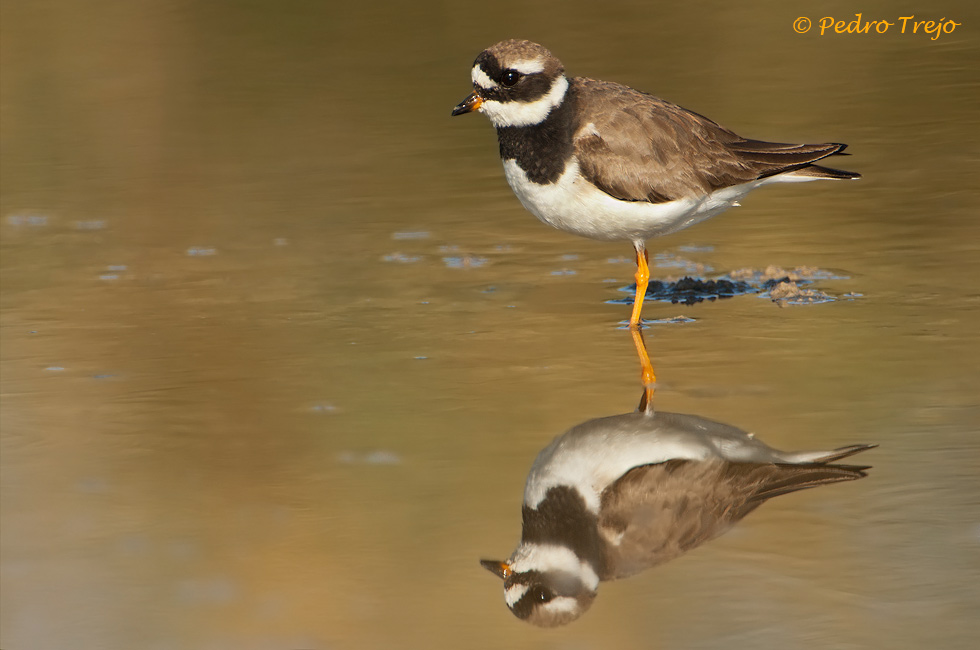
point(646, 403)
point(647, 375)
point(642, 280)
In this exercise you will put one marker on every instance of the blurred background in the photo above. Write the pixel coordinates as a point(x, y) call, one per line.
point(279, 344)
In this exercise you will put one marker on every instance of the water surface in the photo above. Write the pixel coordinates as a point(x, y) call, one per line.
point(279, 345)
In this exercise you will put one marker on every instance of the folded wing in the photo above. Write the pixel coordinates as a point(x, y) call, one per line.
point(637, 147)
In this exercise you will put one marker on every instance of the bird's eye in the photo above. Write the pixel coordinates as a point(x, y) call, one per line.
point(542, 594)
point(511, 77)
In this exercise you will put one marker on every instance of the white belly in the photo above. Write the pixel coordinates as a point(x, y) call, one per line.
point(573, 204)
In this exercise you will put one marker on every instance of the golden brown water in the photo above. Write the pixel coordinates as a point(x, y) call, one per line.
point(279, 345)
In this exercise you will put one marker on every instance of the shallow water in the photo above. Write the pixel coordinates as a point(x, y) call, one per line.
point(279, 345)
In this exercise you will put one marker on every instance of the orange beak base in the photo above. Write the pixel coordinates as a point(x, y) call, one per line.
point(500, 569)
point(468, 105)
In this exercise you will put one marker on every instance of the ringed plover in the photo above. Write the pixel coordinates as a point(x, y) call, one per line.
point(604, 161)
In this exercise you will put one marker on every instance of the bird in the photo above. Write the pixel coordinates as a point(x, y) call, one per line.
point(616, 495)
point(607, 162)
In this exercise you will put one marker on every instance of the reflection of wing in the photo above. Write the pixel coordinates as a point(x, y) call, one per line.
point(637, 147)
point(654, 513)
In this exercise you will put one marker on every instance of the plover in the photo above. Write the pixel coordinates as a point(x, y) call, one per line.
point(616, 495)
point(604, 161)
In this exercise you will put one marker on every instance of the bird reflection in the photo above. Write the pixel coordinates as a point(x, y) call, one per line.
point(616, 495)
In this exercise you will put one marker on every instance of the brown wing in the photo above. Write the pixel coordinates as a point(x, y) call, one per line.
point(654, 513)
point(637, 147)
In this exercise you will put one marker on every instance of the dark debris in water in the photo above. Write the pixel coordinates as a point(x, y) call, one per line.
point(690, 291)
point(786, 291)
point(782, 286)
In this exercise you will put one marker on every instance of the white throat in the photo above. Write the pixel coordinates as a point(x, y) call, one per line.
point(503, 114)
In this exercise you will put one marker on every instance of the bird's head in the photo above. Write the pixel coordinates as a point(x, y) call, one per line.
point(546, 586)
point(515, 83)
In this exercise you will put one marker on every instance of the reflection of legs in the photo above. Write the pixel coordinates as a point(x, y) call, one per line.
point(642, 280)
point(646, 403)
point(647, 375)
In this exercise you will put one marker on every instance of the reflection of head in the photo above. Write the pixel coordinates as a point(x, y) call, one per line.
point(546, 585)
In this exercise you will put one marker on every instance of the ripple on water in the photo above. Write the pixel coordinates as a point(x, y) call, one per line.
point(28, 219)
point(464, 261)
point(373, 457)
point(410, 234)
point(201, 251)
point(401, 258)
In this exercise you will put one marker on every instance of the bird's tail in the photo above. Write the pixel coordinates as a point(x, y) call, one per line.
point(784, 479)
point(819, 171)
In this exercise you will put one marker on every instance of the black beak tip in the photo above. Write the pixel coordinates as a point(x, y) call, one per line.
point(500, 569)
point(468, 105)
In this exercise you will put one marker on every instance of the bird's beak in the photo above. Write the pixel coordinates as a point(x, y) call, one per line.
point(468, 105)
point(500, 569)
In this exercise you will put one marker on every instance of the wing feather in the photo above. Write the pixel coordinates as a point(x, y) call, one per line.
point(637, 147)
point(656, 512)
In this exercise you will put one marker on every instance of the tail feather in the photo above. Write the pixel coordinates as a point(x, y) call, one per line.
point(819, 171)
point(795, 477)
point(821, 457)
point(796, 160)
point(773, 480)
point(841, 452)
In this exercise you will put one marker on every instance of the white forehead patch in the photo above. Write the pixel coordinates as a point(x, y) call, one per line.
point(503, 114)
point(481, 79)
point(551, 557)
point(514, 594)
point(528, 66)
